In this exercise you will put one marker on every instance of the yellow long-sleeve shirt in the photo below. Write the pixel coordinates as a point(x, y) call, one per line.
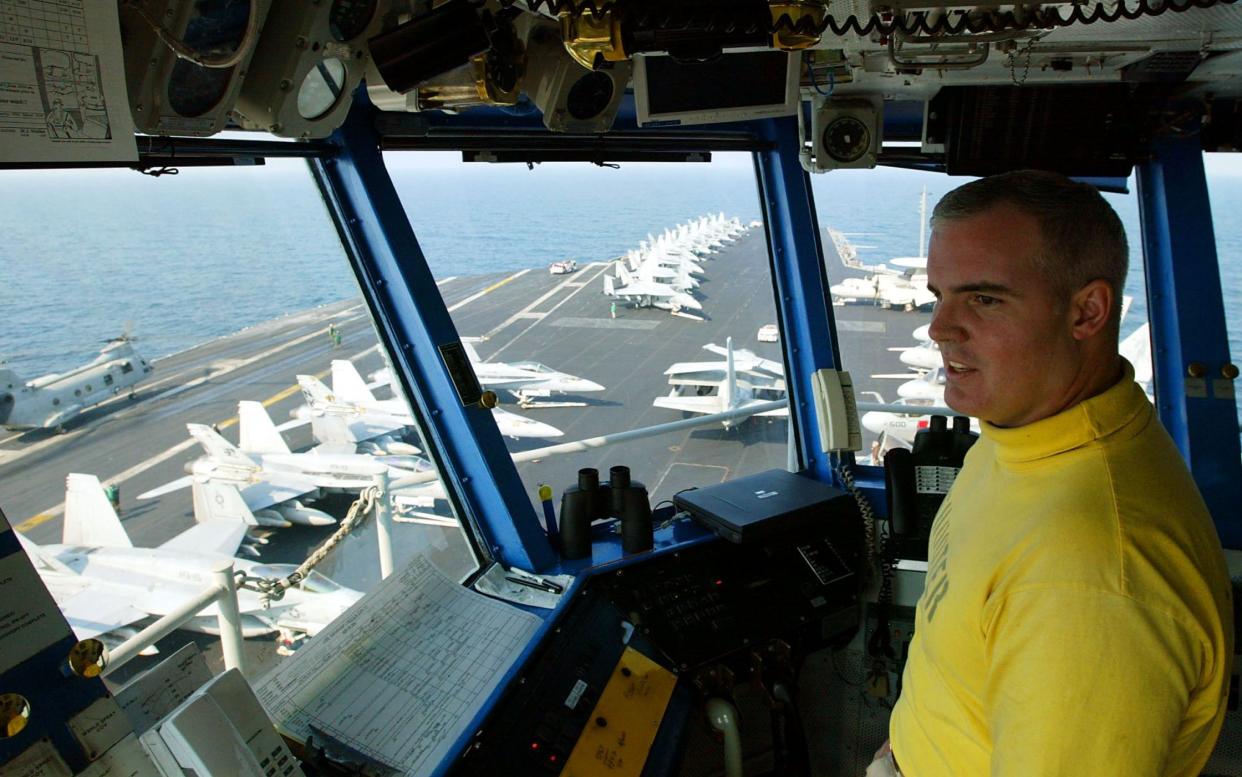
point(1077, 613)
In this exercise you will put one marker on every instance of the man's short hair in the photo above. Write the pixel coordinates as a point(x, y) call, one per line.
point(1083, 238)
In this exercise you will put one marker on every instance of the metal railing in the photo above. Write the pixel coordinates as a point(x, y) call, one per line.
point(223, 593)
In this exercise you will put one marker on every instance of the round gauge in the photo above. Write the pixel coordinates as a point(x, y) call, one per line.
point(846, 139)
point(321, 88)
point(590, 96)
point(347, 19)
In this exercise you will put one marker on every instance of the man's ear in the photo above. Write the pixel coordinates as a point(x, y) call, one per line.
point(1091, 308)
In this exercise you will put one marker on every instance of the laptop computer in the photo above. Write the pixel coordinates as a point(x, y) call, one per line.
point(763, 504)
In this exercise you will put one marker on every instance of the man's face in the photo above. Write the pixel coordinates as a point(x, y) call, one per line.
point(1004, 331)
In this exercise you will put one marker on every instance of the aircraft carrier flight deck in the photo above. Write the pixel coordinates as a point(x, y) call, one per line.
point(563, 321)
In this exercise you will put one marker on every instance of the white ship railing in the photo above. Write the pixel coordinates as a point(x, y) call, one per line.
point(222, 592)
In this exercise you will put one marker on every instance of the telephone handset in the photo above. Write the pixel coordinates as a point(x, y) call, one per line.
point(836, 411)
point(917, 481)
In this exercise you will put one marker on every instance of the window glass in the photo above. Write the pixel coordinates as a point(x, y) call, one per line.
point(189, 294)
point(1224, 178)
point(523, 259)
point(876, 228)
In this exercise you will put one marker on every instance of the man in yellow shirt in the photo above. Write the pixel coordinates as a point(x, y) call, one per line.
point(1076, 618)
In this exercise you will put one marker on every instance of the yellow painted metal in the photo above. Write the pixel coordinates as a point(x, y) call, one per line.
point(623, 725)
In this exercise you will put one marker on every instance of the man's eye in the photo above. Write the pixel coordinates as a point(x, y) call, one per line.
point(985, 300)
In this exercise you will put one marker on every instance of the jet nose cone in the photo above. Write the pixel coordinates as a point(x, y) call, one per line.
point(587, 385)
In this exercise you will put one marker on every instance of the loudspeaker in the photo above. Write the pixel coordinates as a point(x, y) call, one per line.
point(846, 133)
point(307, 64)
point(169, 95)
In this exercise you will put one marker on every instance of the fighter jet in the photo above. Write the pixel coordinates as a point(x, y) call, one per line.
point(104, 585)
point(740, 380)
point(527, 380)
point(650, 294)
point(354, 395)
point(50, 401)
point(270, 475)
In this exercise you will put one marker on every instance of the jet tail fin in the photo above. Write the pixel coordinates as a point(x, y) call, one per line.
point(729, 390)
point(348, 384)
point(89, 517)
point(624, 275)
point(215, 501)
point(609, 288)
point(317, 395)
point(258, 433)
point(333, 430)
point(219, 449)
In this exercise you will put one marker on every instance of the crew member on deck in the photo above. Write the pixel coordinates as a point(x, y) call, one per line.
point(1077, 617)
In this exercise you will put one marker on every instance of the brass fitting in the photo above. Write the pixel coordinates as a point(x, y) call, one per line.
point(1196, 369)
point(1229, 371)
point(88, 658)
point(788, 39)
point(588, 35)
point(488, 90)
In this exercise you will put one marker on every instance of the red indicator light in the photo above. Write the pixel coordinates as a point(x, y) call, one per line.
point(922, 424)
point(719, 582)
point(534, 745)
point(552, 757)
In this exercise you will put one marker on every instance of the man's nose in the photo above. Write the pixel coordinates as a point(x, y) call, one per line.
point(943, 327)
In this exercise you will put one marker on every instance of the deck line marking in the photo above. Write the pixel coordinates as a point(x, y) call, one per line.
point(533, 324)
point(524, 312)
point(443, 281)
point(46, 515)
point(488, 290)
point(317, 333)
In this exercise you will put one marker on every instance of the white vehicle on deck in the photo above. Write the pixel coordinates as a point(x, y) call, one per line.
point(564, 267)
point(769, 333)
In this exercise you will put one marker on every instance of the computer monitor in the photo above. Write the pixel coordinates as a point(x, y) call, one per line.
point(732, 87)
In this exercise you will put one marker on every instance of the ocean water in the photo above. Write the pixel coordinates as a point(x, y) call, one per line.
point(187, 258)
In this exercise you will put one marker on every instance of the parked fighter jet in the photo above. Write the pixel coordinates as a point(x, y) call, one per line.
point(526, 380)
point(270, 475)
point(104, 584)
point(353, 397)
point(52, 400)
point(740, 380)
point(649, 294)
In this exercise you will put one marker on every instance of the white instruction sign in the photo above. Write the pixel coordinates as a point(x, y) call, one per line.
point(62, 83)
point(29, 619)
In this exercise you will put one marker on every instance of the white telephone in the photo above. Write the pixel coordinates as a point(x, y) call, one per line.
point(221, 730)
point(836, 411)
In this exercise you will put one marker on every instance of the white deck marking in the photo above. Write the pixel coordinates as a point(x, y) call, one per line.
point(488, 290)
point(603, 268)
